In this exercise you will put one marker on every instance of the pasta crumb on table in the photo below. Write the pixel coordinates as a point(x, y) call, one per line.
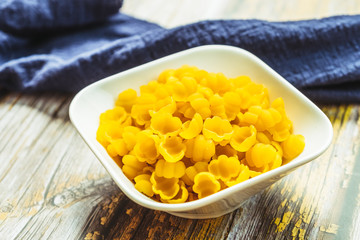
point(192, 133)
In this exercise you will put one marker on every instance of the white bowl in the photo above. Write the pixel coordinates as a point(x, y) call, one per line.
point(307, 118)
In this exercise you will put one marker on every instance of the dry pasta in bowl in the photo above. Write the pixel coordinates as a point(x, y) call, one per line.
point(191, 133)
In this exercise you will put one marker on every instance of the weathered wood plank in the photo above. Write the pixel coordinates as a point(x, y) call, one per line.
point(159, 225)
point(48, 179)
point(22, 157)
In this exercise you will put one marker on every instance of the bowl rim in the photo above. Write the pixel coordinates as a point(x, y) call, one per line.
point(223, 194)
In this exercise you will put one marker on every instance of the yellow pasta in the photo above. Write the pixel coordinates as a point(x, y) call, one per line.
point(143, 184)
point(172, 149)
point(117, 148)
point(167, 188)
point(217, 129)
point(129, 136)
point(217, 82)
point(191, 172)
point(108, 132)
point(199, 149)
point(205, 184)
point(181, 196)
point(227, 150)
point(232, 104)
point(191, 133)
point(192, 128)
point(164, 124)
point(225, 167)
point(293, 146)
point(126, 99)
point(167, 105)
point(117, 114)
point(244, 174)
point(260, 155)
point(146, 147)
point(263, 137)
point(200, 105)
point(243, 138)
point(169, 169)
point(132, 166)
point(217, 106)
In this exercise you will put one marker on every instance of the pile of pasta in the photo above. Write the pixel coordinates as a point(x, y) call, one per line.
point(191, 133)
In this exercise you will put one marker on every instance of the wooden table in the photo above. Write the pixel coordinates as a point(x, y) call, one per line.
point(52, 186)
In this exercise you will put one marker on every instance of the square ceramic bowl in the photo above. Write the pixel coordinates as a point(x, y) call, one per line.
point(307, 118)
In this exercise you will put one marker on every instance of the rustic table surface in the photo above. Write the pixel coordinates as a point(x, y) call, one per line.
point(52, 186)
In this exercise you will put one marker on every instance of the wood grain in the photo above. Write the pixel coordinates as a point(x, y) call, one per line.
point(52, 187)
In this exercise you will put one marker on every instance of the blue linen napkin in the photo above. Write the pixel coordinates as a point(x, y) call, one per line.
point(65, 45)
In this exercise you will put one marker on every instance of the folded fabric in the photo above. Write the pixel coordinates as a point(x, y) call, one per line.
point(320, 57)
point(30, 17)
